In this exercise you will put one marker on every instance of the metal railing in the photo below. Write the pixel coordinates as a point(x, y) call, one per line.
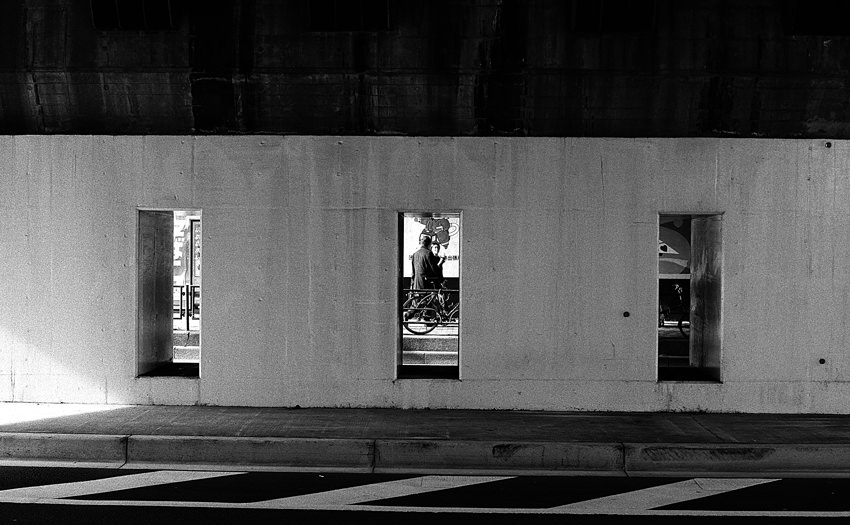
point(188, 305)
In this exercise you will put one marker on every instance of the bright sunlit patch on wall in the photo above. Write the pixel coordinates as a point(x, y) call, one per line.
point(11, 413)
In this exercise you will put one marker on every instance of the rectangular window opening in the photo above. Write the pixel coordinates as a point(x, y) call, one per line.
point(169, 293)
point(429, 295)
point(689, 297)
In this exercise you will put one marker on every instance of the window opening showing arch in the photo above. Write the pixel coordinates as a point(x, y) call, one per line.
point(689, 297)
point(169, 292)
point(429, 295)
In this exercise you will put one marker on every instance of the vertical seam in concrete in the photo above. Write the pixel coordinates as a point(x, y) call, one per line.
point(716, 174)
point(125, 442)
point(623, 458)
point(373, 455)
point(193, 175)
point(602, 177)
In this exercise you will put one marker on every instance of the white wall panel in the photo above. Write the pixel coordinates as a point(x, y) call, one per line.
point(300, 268)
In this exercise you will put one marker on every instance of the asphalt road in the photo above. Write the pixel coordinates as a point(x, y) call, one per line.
point(84, 495)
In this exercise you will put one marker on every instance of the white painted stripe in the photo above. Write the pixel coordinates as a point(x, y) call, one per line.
point(377, 491)
point(653, 497)
point(98, 486)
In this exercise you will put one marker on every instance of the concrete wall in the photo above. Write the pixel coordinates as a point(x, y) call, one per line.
point(300, 268)
point(665, 68)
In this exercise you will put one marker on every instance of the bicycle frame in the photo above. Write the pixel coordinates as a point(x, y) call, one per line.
point(428, 307)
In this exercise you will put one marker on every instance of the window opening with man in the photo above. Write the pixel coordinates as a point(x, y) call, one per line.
point(430, 295)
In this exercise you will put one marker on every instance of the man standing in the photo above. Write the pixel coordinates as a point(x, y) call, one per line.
point(426, 265)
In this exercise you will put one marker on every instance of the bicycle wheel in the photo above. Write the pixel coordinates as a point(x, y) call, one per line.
point(421, 321)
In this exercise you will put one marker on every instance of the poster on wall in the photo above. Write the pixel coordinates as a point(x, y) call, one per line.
point(674, 247)
point(443, 229)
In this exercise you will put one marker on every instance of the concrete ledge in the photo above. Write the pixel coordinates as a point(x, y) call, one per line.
point(103, 450)
point(716, 459)
point(424, 343)
point(429, 358)
point(184, 338)
point(240, 452)
point(468, 456)
point(186, 353)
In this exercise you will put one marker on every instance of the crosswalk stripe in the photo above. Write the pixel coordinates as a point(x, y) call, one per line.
point(377, 491)
point(97, 486)
point(654, 497)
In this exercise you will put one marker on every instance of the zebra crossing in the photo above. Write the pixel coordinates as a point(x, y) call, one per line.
point(434, 493)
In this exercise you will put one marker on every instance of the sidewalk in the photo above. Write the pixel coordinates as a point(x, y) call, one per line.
point(425, 441)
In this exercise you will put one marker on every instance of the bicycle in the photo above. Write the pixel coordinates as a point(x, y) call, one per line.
point(424, 310)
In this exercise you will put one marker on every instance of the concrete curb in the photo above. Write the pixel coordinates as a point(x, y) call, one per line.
point(358, 455)
point(353, 455)
point(730, 459)
point(425, 456)
point(103, 450)
point(497, 456)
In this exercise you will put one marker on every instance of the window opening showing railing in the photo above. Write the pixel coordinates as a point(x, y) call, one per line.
point(689, 297)
point(187, 287)
point(429, 298)
point(187, 306)
point(169, 279)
